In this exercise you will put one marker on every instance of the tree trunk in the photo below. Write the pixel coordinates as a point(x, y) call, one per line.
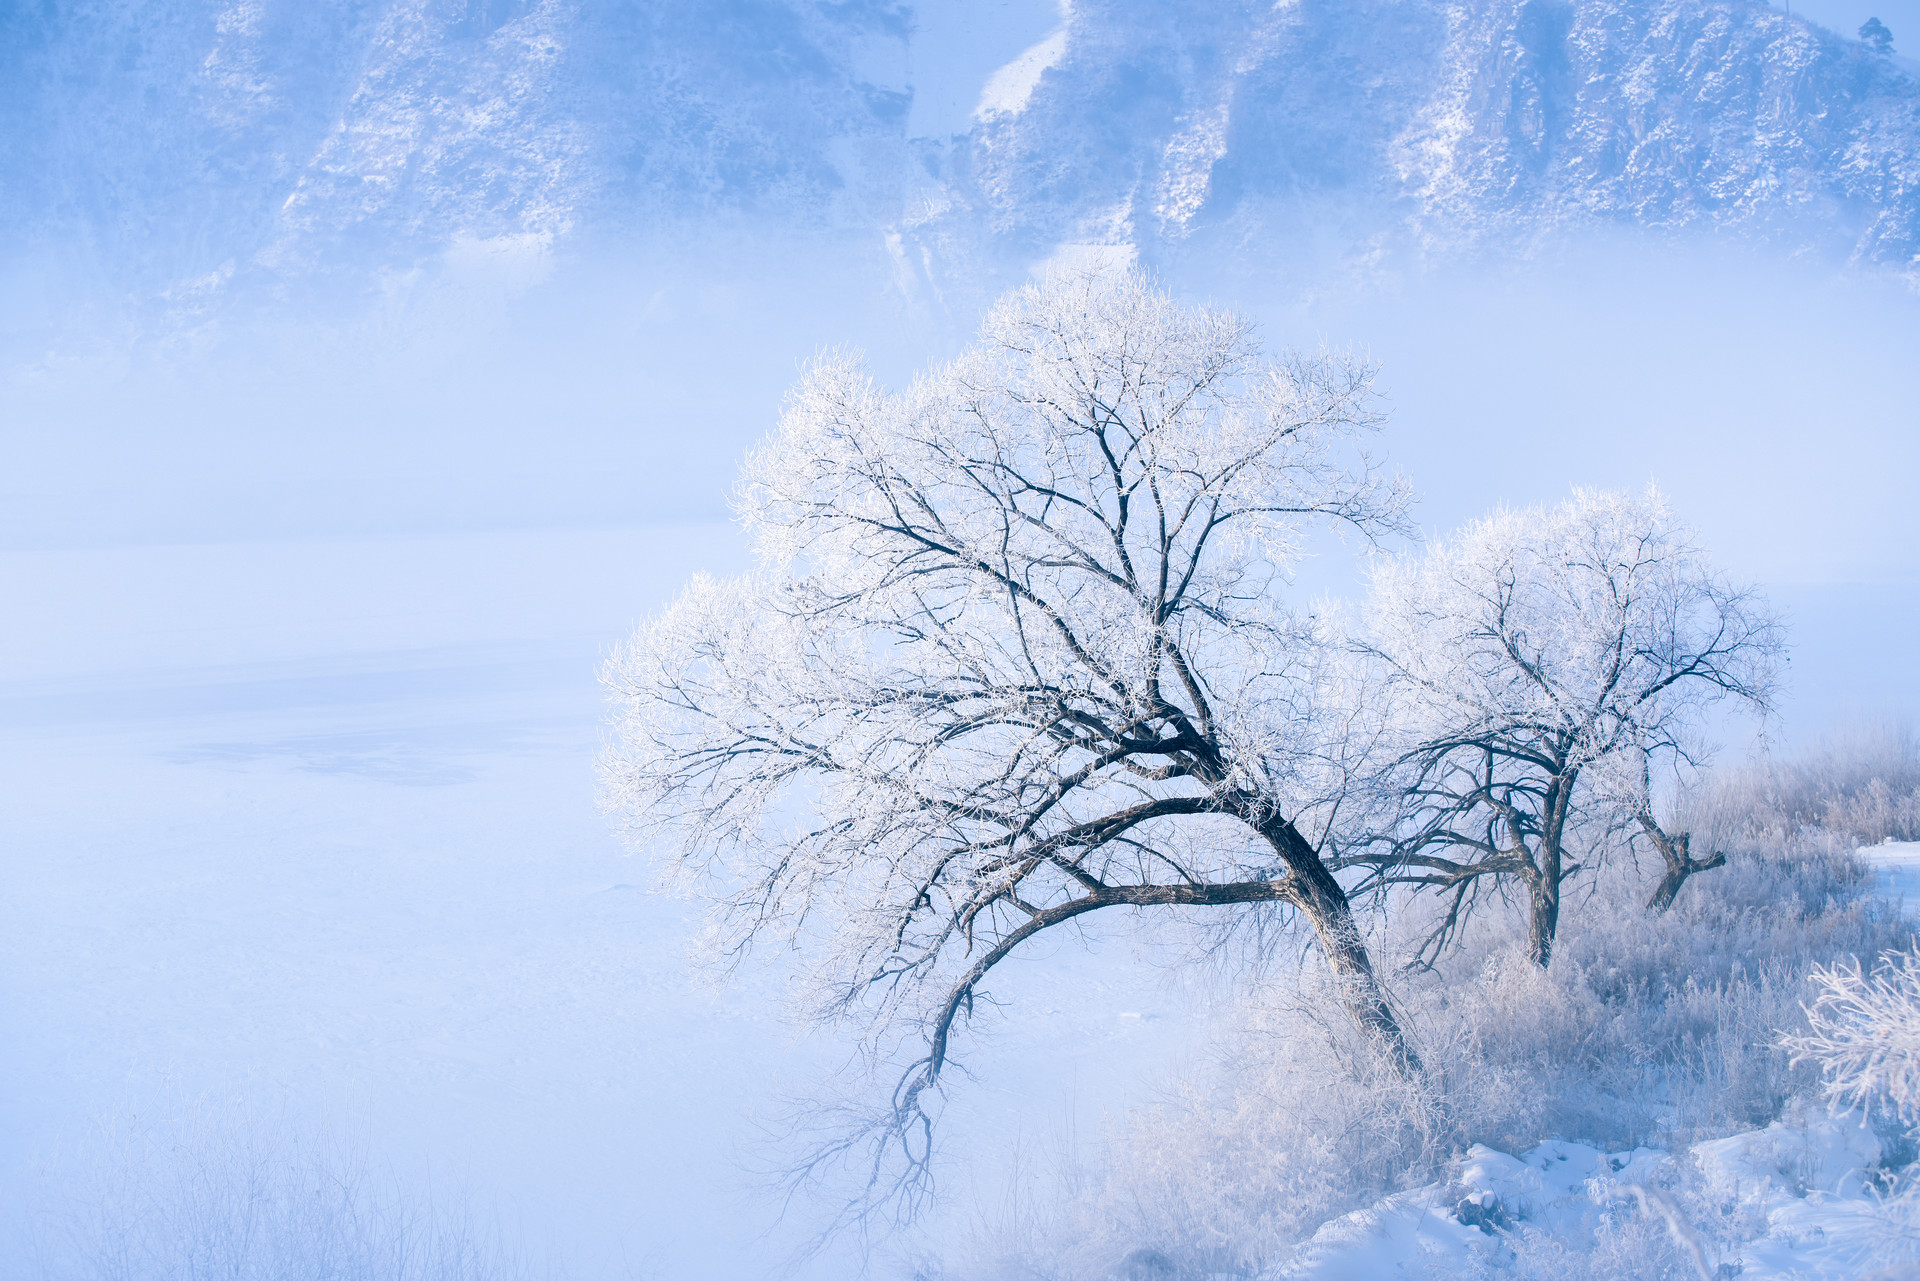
point(1543, 917)
point(1680, 863)
point(1326, 906)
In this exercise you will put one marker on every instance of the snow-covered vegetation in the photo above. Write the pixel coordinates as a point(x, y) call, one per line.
point(1648, 1036)
point(1861, 783)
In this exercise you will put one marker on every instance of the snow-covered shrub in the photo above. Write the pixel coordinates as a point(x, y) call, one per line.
point(1648, 1029)
point(1865, 1031)
point(1860, 785)
point(1693, 1001)
point(1864, 1034)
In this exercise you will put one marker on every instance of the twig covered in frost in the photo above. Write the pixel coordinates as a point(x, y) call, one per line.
point(1865, 1031)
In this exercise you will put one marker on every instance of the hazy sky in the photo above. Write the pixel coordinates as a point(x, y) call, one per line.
point(1902, 17)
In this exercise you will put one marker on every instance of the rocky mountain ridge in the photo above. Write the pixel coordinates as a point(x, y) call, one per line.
point(188, 142)
point(1463, 121)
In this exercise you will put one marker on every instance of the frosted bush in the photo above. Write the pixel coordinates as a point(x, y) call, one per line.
point(1860, 785)
point(1648, 1029)
point(1864, 1034)
point(1865, 1031)
point(1656, 1030)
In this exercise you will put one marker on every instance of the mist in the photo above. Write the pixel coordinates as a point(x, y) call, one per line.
point(1774, 402)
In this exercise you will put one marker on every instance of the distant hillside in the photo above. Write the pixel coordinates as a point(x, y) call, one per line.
point(1459, 121)
point(186, 140)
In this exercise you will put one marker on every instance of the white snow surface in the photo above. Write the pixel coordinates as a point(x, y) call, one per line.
point(1008, 89)
point(1560, 1186)
point(1807, 1181)
point(1897, 864)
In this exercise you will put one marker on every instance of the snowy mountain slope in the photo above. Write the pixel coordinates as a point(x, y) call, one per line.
point(183, 136)
point(1668, 115)
point(178, 140)
point(1463, 120)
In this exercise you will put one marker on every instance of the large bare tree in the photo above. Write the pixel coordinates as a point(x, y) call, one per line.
point(1018, 653)
point(1538, 667)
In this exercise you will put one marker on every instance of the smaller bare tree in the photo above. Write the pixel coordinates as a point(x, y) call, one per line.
point(1540, 664)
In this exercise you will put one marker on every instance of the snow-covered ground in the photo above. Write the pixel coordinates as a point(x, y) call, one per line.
point(1803, 1185)
point(1897, 863)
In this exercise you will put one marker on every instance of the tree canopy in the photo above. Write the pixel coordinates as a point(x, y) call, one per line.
point(1019, 650)
point(1536, 667)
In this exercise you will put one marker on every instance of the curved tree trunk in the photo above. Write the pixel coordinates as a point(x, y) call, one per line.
point(1326, 906)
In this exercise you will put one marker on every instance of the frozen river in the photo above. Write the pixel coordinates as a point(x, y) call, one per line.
point(1897, 864)
point(303, 838)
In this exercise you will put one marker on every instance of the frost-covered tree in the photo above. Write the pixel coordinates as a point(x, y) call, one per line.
point(1017, 653)
point(1541, 664)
